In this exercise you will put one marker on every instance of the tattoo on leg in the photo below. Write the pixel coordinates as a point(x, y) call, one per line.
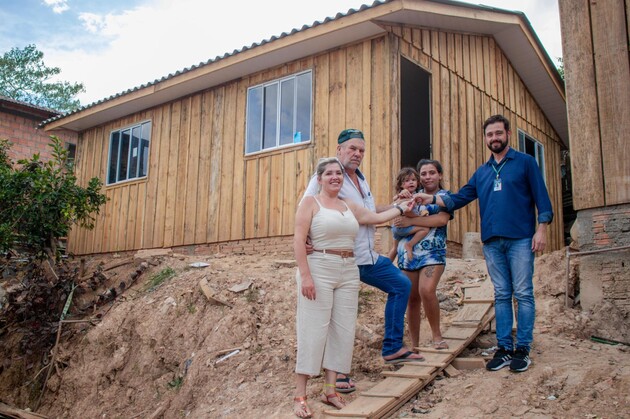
point(428, 272)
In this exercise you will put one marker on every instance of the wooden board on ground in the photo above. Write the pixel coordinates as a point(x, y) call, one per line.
point(13, 412)
point(451, 371)
point(418, 369)
point(457, 333)
point(401, 385)
point(479, 293)
point(391, 387)
point(471, 313)
point(438, 358)
point(361, 407)
point(430, 350)
point(468, 363)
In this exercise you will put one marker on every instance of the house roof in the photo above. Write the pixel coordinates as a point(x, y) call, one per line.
point(25, 110)
point(511, 30)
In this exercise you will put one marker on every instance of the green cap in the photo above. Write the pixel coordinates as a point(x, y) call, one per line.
point(349, 133)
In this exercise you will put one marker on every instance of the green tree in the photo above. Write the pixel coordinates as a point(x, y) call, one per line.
point(40, 202)
point(25, 77)
point(560, 66)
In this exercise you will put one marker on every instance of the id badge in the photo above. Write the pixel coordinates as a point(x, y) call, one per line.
point(497, 184)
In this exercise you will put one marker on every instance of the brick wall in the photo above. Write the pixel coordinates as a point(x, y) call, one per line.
point(284, 245)
point(27, 139)
point(604, 277)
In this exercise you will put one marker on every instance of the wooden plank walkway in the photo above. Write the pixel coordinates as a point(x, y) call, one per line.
point(399, 386)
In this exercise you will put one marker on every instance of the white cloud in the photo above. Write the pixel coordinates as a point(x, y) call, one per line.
point(58, 6)
point(162, 36)
point(92, 22)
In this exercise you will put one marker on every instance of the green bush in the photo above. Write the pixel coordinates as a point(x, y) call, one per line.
point(41, 201)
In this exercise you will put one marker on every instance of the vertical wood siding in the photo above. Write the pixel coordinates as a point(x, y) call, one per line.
point(597, 74)
point(201, 188)
point(466, 89)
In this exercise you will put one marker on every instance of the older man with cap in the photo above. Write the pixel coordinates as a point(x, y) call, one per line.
point(374, 269)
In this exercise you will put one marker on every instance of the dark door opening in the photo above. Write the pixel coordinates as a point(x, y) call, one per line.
point(415, 114)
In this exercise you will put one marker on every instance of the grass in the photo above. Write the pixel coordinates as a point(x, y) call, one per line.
point(176, 383)
point(365, 295)
point(252, 295)
point(159, 278)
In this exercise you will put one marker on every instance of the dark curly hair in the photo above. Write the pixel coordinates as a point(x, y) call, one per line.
point(404, 173)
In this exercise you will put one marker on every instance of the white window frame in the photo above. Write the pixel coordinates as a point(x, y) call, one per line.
point(539, 150)
point(256, 145)
point(142, 152)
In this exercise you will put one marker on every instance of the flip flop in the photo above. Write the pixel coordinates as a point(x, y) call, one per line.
point(440, 345)
point(404, 358)
point(345, 390)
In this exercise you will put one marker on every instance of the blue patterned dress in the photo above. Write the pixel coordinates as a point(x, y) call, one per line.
point(431, 250)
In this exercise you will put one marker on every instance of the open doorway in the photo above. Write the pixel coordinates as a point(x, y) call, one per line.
point(415, 113)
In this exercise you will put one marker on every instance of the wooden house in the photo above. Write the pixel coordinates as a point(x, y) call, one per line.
point(597, 71)
point(220, 153)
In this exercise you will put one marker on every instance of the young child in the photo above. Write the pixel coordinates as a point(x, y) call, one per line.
point(407, 183)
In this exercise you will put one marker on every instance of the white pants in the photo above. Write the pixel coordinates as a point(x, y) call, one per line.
point(325, 326)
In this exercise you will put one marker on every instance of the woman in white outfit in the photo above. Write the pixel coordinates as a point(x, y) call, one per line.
point(328, 282)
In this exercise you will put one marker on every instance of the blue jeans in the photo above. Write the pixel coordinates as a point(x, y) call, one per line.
point(510, 264)
point(388, 278)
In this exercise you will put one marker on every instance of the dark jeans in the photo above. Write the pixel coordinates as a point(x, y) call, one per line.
point(388, 278)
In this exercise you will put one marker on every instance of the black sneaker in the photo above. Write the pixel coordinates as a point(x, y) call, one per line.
point(520, 361)
point(502, 358)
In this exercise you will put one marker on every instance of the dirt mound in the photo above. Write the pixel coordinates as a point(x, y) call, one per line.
point(162, 348)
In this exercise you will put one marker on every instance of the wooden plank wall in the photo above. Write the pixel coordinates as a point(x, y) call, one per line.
point(597, 74)
point(472, 79)
point(202, 189)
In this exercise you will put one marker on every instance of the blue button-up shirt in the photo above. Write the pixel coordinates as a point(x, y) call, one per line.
point(510, 211)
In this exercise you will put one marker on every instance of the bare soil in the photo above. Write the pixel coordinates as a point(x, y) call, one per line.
point(165, 350)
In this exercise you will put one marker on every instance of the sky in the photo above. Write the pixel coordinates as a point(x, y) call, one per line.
point(114, 45)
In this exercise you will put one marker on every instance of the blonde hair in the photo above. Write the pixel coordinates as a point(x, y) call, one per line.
point(321, 166)
point(325, 161)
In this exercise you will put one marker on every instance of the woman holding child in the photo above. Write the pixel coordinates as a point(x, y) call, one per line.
point(425, 264)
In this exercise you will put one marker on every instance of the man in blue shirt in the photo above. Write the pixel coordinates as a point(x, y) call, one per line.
point(510, 188)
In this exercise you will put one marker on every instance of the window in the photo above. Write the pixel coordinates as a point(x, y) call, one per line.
point(72, 151)
point(128, 153)
point(528, 145)
point(279, 113)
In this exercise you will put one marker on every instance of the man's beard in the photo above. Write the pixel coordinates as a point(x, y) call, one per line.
point(499, 149)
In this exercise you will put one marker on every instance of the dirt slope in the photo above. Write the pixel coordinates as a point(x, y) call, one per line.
point(157, 351)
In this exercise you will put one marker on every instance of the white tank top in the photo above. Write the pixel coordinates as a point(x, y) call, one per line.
point(333, 229)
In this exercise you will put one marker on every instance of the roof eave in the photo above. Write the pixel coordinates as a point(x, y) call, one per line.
point(511, 30)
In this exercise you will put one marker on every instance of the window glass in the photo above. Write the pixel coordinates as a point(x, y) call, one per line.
point(123, 161)
point(144, 150)
point(529, 145)
point(113, 157)
point(129, 153)
point(134, 152)
point(279, 113)
point(254, 119)
point(271, 116)
point(286, 111)
point(72, 151)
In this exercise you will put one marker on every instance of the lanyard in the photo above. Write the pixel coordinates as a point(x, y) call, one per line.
point(500, 167)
